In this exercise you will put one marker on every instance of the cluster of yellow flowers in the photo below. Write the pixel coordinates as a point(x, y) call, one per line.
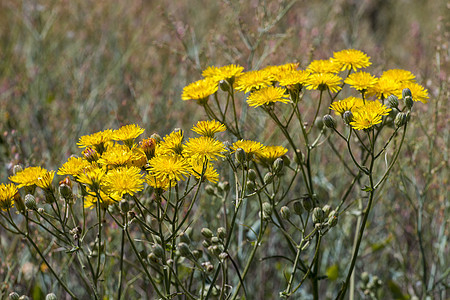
point(274, 83)
point(113, 163)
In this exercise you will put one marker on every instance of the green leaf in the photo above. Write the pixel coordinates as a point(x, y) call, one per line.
point(332, 272)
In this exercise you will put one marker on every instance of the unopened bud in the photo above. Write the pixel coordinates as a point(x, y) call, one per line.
point(206, 243)
point(156, 137)
point(148, 146)
point(65, 188)
point(317, 215)
point(124, 206)
point(30, 202)
point(184, 237)
point(251, 185)
point(24, 297)
point(267, 209)
point(41, 210)
point(326, 210)
point(285, 212)
point(207, 233)
point(215, 240)
point(307, 202)
point(278, 165)
point(224, 86)
point(406, 92)
point(348, 117)
point(401, 119)
point(251, 175)
point(210, 190)
point(197, 254)
point(90, 154)
point(18, 202)
point(51, 296)
point(298, 157)
point(298, 208)
point(184, 249)
point(14, 296)
point(408, 102)
point(268, 178)
point(240, 155)
point(329, 121)
point(221, 232)
point(365, 277)
point(152, 257)
point(158, 250)
point(17, 169)
point(224, 185)
point(393, 101)
point(223, 255)
point(332, 218)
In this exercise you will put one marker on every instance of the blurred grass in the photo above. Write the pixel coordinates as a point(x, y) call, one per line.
point(69, 68)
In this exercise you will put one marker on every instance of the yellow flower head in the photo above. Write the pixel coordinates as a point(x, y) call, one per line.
point(208, 128)
point(361, 81)
point(92, 178)
point(322, 81)
point(200, 90)
point(270, 153)
point(351, 59)
point(418, 92)
point(250, 147)
point(173, 168)
point(324, 66)
point(347, 104)
point(90, 200)
point(74, 166)
point(368, 115)
point(292, 77)
point(121, 155)
point(159, 183)
point(171, 144)
point(384, 88)
point(252, 80)
point(96, 140)
point(274, 72)
point(123, 180)
point(266, 96)
point(127, 134)
point(399, 75)
point(222, 73)
point(204, 147)
point(28, 176)
point(45, 181)
point(199, 169)
point(7, 193)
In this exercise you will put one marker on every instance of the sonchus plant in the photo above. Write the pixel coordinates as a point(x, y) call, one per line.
point(148, 194)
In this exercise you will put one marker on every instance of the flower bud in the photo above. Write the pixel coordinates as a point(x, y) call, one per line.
point(326, 210)
point(24, 297)
point(18, 202)
point(17, 169)
point(158, 250)
point(197, 254)
point(298, 208)
point(401, 119)
point(278, 165)
point(251, 175)
point(65, 189)
point(156, 137)
point(224, 86)
point(224, 185)
point(184, 249)
point(210, 190)
point(286, 160)
point(298, 157)
point(408, 102)
point(221, 232)
point(348, 117)
point(14, 296)
point(124, 206)
point(332, 218)
point(207, 233)
point(184, 237)
point(148, 146)
point(406, 92)
point(285, 212)
point(90, 154)
point(307, 202)
point(393, 101)
point(153, 258)
point(30, 202)
point(319, 123)
point(365, 277)
point(223, 255)
point(206, 243)
point(268, 178)
point(329, 121)
point(251, 185)
point(240, 155)
point(267, 209)
point(215, 240)
point(317, 215)
point(41, 210)
point(51, 296)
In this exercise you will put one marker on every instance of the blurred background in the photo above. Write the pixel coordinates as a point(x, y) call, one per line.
point(70, 68)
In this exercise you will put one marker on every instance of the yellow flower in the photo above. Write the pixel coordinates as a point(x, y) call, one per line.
point(28, 176)
point(96, 140)
point(7, 193)
point(199, 168)
point(171, 144)
point(127, 134)
point(159, 183)
point(90, 200)
point(74, 166)
point(208, 128)
point(347, 104)
point(250, 147)
point(204, 148)
point(270, 153)
point(322, 81)
point(92, 178)
point(169, 167)
point(361, 81)
point(222, 73)
point(123, 180)
point(399, 75)
point(252, 80)
point(384, 88)
point(418, 92)
point(45, 181)
point(324, 66)
point(351, 59)
point(200, 90)
point(121, 155)
point(293, 77)
point(266, 96)
point(368, 115)
point(274, 72)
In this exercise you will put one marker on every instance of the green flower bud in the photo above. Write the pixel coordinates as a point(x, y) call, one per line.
point(298, 208)
point(298, 157)
point(206, 243)
point(286, 160)
point(332, 218)
point(184, 237)
point(268, 178)
point(221, 233)
point(224, 186)
point(401, 119)
point(285, 212)
point(17, 169)
point(224, 86)
point(223, 255)
point(393, 101)
point(158, 250)
point(365, 277)
point(278, 165)
point(18, 202)
point(156, 137)
point(153, 258)
point(251, 186)
point(210, 190)
point(317, 215)
point(348, 117)
point(329, 121)
point(240, 155)
point(184, 249)
point(406, 92)
point(30, 202)
point(307, 202)
point(124, 206)
point(252, 175)
point(408, 102)
point(319, 123)
point(207, 233)
point(326, 210)
point(23, 297)
point(267, 209)
point(215, 240)
point(14, 296)
point(197, 254)
point(51, 296)
point(215, 249)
